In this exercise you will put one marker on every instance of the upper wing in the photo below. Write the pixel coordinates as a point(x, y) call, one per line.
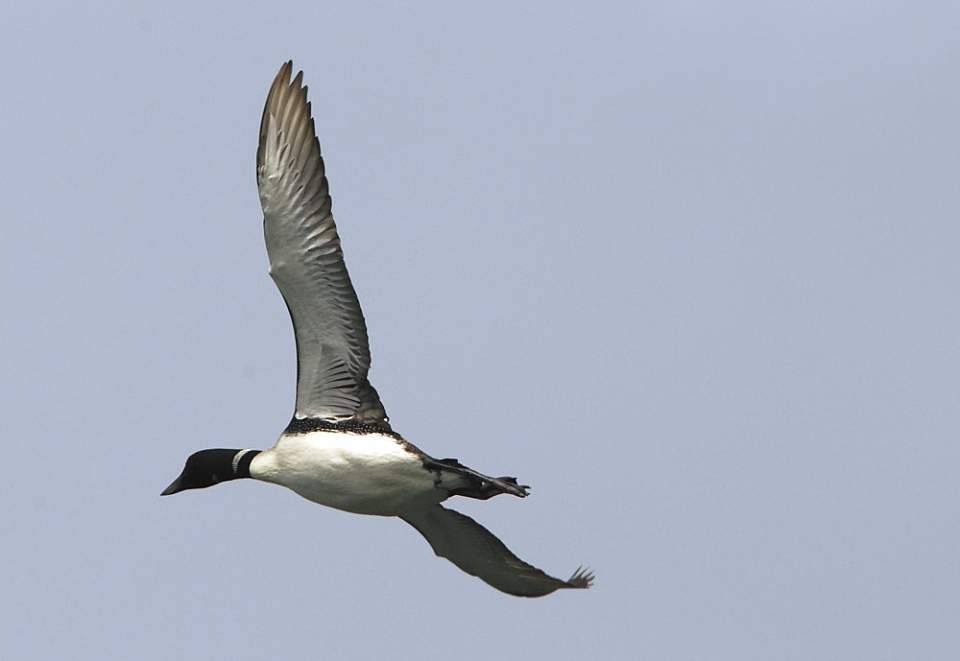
point(306, 262)
point(477, 551)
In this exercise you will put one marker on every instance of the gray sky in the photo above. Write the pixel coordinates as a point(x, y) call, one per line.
point(687, 268)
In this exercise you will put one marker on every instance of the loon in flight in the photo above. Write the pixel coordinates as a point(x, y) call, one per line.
point(339, 449)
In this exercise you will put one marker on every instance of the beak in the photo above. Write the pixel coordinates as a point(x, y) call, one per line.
point(174, 487)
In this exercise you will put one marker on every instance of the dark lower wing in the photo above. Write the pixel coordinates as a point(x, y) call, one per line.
point(477, 551)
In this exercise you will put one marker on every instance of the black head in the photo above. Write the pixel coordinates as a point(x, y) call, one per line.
point(208, 467)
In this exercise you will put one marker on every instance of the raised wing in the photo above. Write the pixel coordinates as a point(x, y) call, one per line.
point(306, 262)
point(477, 551)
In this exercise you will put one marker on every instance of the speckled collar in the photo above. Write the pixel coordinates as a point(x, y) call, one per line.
point(306, 425)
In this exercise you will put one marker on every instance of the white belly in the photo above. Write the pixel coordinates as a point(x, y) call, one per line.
point(362, 473)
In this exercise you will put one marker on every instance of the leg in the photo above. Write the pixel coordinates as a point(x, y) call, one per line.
point(487, 490)
point(481, 486)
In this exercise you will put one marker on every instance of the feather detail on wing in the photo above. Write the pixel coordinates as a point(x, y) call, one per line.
point(306, 262)
point(478, 552)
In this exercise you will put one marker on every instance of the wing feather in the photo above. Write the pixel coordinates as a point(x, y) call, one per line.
point(306, 262)
point(479, 552)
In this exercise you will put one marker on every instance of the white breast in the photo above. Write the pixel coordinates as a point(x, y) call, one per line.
point(361, 473)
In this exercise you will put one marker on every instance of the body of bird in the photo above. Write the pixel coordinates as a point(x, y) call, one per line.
point(370, 473)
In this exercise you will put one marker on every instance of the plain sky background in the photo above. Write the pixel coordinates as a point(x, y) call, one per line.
point(690, 269)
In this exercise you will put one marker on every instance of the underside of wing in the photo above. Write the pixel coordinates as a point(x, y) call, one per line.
point(306, 262)
point(478, 552)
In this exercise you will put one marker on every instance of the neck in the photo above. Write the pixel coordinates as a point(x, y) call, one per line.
point(240, 463)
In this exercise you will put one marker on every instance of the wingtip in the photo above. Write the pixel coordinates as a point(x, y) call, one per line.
point(283, 75)
point(581, 579)
point(286, 80)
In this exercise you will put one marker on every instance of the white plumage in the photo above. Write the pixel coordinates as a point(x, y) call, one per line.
point(360, 473)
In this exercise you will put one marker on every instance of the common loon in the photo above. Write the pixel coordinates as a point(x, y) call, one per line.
point(339, 449)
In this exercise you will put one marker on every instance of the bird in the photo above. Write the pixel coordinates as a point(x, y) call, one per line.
point(339, 449)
